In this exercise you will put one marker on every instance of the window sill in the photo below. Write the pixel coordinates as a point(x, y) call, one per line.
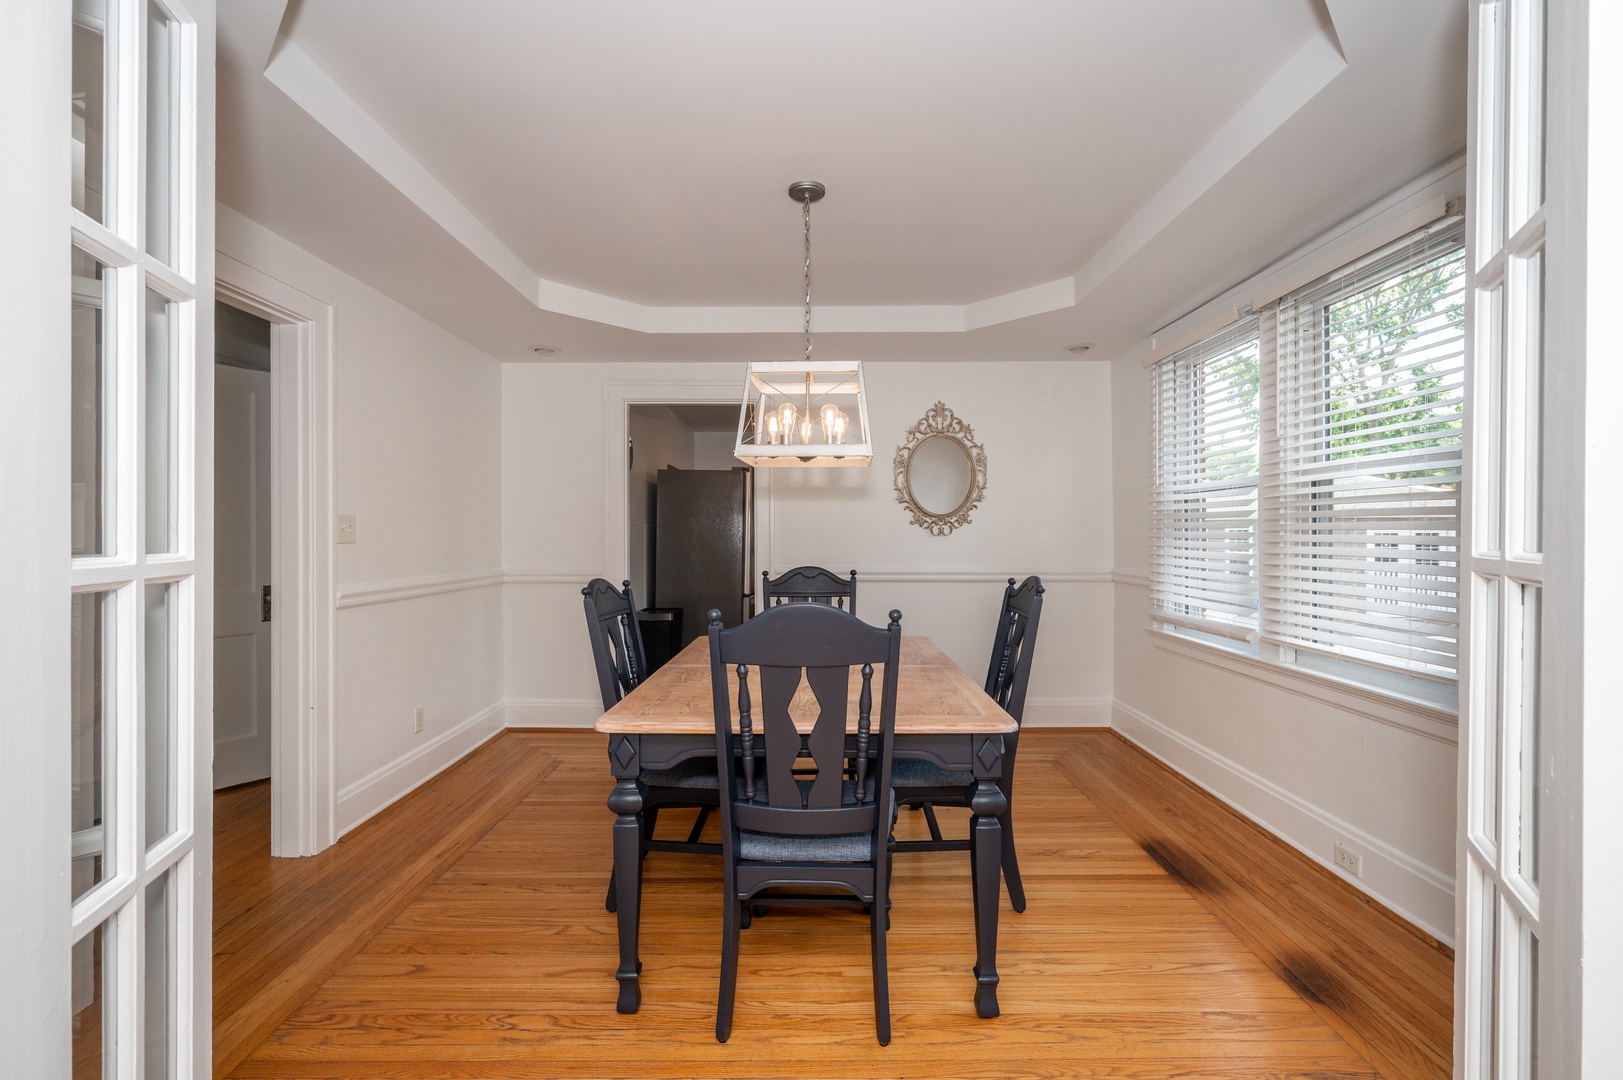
point(1412, 713)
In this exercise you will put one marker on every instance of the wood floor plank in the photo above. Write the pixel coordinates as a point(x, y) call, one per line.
point(283, 925)
point(501, 963)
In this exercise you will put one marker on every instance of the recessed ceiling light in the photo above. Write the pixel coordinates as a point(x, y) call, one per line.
point(1078, 349)
point(546, 350)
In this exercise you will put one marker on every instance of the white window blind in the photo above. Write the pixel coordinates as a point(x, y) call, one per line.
point(1361, 554)
point(1203, 557)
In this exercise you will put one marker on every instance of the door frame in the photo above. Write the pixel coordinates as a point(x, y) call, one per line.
point(618, 397)
point(303, 791)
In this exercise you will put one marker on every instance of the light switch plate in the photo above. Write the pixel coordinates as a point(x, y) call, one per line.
point(346, 528)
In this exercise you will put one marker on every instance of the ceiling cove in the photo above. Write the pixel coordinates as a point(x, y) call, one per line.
point(1302, 76)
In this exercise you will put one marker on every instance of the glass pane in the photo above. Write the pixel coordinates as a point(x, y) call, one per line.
point(1487, 1018)
point(1529, 1010)
point(92, 409)
point(1533, 396)
point(160, 413)
point(90, 61)
point(1496, 147)
point(160, 712)
point(159, 1041)
point(160, 171)
point(1489, 652)
point(1532, 730)
point(92, 739)
point(1530, 30)
point(1489, 387)
point(92, 1014)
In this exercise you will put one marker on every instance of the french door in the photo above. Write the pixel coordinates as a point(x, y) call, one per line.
point(109, 479)
point(1515, 919)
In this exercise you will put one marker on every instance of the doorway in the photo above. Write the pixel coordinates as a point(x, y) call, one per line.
point(694, 549)
point(243, 529)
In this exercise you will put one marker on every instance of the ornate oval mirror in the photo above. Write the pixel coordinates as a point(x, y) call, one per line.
point(940, 471)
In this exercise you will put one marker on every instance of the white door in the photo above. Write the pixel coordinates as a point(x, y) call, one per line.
point(242, 562)
point(105, 472)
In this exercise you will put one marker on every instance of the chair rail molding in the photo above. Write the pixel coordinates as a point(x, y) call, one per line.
point(978, 574)
point(384, 592)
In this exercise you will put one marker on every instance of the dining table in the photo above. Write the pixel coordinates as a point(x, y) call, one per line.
point(942, 716)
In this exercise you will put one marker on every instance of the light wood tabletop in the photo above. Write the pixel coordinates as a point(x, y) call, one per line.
point(934, 696)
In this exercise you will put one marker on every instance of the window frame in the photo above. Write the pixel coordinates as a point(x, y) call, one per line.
point(1423, 702)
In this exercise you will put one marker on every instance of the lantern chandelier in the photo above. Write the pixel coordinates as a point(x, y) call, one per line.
point(805, 413)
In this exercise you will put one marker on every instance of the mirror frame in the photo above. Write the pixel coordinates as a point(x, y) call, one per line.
point(940, 422)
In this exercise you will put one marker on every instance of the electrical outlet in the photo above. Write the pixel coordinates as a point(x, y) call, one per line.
point(419, 728)
point(1349, 860)
point(346, 528)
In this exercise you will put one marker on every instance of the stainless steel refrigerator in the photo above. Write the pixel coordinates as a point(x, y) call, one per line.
point(704, 545)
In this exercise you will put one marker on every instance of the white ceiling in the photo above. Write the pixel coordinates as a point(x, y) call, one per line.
point(1004, 179)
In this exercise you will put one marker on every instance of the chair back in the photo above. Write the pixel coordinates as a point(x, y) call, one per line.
point(1014, 645)
point(809, 584)
point(784, 781)
point(611, 623)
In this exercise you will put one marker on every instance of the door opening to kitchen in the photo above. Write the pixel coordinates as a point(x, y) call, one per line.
point(691, 523)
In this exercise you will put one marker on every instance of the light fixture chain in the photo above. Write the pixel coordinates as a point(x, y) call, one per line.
point(806, 210)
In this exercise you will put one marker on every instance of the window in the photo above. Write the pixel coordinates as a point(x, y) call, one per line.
point(1204, 506)
point(1307, 471)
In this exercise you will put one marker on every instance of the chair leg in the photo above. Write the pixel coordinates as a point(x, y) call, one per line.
point(731, 917)
point(1011, 867)
point(649, 817)
point(881, 975)
point(698, 825)
point(929, 815)
point(609, 902)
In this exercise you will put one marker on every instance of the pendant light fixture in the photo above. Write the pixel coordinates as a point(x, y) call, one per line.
point(804, 413)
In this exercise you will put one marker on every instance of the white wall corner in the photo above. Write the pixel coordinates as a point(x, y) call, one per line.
point(384, 786)
point(1419, 893)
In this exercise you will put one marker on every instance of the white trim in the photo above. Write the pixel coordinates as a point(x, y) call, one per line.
point(1415, 204)
point(572, 713)
point(384, 786)
point(1373, 703)
point(1391, 224)
point(303, 812)
point(1419, 893)
point(549, 577)
point(385, 592)
point(978, 574)
point(1137, 578)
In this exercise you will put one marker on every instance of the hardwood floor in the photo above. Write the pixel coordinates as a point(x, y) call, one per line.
point(1165, 937)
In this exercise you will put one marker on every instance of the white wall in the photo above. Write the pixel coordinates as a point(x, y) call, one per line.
point(1046, 430)
point(417, 459)
point(1312, 763)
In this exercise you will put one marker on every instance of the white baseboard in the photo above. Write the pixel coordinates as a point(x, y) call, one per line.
point(552, 712)
point(1066, 712)
point(364, 798)
point(1417, 892)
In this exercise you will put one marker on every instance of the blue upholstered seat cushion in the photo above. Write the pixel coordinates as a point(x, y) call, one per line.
point(917, 773)
point(697, 772)
point(777, 847)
